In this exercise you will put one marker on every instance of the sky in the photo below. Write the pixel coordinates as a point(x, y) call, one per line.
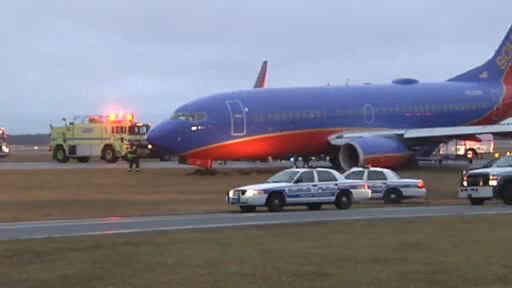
point(66, 58)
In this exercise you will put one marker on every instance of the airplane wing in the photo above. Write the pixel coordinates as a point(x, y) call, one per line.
point(427, 135)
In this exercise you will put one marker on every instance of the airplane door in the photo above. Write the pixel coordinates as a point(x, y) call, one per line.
point(238, 117)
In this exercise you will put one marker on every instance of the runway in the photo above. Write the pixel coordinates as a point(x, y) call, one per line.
point(115, 225)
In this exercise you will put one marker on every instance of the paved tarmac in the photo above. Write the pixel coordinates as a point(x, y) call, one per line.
point(114, 225)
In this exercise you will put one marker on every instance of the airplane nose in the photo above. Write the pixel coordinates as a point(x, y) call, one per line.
point(166, 135)
point(159, 136)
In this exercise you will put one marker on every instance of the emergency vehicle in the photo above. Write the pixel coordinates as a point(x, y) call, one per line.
point(108, 137)
point(4, 147)
point(458, 149)
point(482, 147)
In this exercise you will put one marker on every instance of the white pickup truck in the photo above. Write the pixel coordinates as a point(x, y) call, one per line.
point(493, 180)
point(309, 187)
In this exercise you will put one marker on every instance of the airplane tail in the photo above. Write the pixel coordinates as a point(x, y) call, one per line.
point(495, 68)
point(261, 81)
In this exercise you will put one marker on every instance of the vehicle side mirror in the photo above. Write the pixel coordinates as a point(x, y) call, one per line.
point(297, 181)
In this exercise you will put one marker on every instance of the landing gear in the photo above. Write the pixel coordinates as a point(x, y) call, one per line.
point(305, 161)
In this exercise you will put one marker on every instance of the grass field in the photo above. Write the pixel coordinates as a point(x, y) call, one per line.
point(421, 252)
point(85, 193)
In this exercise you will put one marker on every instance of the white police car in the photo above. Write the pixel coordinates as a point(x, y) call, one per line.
point(386, 184)
point(309, 187)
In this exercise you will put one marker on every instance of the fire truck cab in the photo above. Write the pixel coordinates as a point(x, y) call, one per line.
point(4, 147)
point(107, 137)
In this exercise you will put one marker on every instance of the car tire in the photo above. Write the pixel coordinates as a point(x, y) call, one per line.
point(343, 200)
point(275, 202)
point(507, 193)
point(109, 155)
point(393, 196)
point(60, 155)
point(314, 206)
point(477, 201)
point(83, 159)
point(247, 209)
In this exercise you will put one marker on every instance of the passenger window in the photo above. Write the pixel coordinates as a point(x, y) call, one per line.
point(326, 176)
point(356, 175)
point(306, 177)
point(376, 175)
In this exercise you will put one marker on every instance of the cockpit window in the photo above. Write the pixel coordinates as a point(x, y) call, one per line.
point(192, 116)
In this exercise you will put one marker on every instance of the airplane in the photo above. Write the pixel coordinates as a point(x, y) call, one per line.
point(385, 125)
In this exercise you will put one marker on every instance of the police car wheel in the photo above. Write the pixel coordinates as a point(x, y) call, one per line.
point(275, 202)
point(343, 200)
point(247, 209)
point(393, 196)
point(314, 206)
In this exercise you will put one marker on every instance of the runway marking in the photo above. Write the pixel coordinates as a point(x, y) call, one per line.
point(98, 228)
point(120, 220)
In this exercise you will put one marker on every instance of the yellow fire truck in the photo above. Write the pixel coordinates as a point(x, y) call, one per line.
point(4, 147)
point(108, 137)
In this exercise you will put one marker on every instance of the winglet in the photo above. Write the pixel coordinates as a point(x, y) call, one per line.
point(261, 81)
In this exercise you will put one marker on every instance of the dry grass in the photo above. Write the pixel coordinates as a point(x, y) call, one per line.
point(85, 193)
point(426, 252)
point(80, 193)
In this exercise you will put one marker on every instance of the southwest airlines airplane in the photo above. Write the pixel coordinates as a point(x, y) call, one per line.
point(381, 125)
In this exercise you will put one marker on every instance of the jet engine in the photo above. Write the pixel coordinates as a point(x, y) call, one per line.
point(373, 150)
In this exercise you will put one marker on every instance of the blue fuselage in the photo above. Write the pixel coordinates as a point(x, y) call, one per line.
point(254, 114)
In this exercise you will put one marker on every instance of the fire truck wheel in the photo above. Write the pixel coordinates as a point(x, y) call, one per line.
point(109, 155)
point(60, 155)
point(83, 159)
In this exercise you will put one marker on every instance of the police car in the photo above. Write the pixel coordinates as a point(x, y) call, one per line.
point(386, 184)
point(309, 187)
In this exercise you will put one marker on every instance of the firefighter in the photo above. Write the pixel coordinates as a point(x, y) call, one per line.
point(133, 158)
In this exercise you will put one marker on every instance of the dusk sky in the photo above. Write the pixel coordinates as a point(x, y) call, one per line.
point(65, 58)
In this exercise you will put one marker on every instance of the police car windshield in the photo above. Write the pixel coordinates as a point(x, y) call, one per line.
point(502, 162)
point(286, 176)
point(190, 116)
